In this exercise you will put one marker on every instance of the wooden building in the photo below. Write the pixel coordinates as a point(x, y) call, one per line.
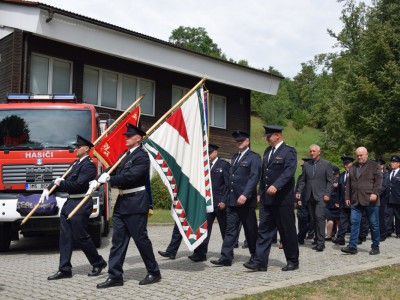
point(44, 49)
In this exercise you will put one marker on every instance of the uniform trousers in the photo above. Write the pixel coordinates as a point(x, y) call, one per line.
point(126, 226)
point(235, 215)
point(283, 219)
point(75, 230)
point(202, 249)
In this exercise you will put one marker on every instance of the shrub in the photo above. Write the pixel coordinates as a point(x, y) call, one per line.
point(161, 196)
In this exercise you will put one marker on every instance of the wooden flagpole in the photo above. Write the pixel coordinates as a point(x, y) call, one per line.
point(152, 128)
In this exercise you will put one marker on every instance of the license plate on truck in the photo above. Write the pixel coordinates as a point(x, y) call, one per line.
point(36, 186)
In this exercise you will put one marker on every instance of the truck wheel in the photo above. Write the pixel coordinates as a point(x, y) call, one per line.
point(95, 233)
point(5, 237)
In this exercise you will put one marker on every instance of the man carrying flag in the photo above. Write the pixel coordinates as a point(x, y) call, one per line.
point(130, 211)
point(74, 229)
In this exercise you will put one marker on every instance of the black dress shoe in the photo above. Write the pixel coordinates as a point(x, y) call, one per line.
point(220, 262)
point(253, 266)
point(245, 246)
point(149, 279)
point(291, 267)
point(237, 245)
point(96, 271)
point(314, 243)
point(301, 242)
point(60, 275)
point(339, 241)
point(374, 251)
point(196, 258)
point(319, 248)
point(110, 283)
point(349, 250)
point(309, 236)
point(166, 254)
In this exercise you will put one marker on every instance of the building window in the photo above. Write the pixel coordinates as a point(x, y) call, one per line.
point(50, 75)
point(217, 114)
point(116, 90)
point(216, 106)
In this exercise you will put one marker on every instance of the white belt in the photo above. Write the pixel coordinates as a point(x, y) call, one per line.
point(134, 190)
point(77, 196)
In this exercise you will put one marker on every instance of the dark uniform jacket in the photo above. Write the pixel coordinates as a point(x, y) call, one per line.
point(220, 181)
point(394, 188)
point(131, 173)
point(243, 179)
point(318, 184)
point(278, 171)
point(359, 190)
point(77, 182)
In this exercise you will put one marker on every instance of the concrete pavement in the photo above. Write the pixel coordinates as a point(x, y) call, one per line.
point(25, 268)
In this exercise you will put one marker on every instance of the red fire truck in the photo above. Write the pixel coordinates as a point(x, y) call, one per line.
point(36, 136)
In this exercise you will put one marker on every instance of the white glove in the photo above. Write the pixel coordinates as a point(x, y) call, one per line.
point(44, 196)
point(58, 181)
point(92, 187)
point(103, 178)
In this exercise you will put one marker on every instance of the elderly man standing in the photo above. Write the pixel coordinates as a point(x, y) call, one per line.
point(362, 192)
point(316, 181)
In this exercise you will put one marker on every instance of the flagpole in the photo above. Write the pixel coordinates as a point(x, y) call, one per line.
point(152, 128)
point(173, 108)
point(127, 111)
point(37, 205)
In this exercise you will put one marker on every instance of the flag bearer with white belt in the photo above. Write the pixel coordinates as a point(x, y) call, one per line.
point(130, 211)
point(74, 229)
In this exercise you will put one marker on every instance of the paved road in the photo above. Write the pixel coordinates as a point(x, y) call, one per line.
point(24, 270)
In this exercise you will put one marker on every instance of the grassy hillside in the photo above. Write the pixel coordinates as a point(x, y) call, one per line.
point(301, 140)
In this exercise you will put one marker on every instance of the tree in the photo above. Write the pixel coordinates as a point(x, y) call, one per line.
point(370, 77)
point(196, 39)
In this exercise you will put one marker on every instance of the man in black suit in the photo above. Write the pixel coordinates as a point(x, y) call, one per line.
point(344, 213)
point(74, 230)
point(242, 200)
point(131, 211)
point(316, 181)
point(393, 191)
point(276, 202)
point(220, 188)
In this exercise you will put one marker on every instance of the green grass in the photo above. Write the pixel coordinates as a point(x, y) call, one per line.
point(299, 139)
point(380, 283)
point(161, 216)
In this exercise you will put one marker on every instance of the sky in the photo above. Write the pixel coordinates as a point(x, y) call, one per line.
point(278, 33)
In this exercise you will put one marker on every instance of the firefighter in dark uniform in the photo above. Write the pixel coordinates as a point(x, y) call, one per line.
point(393, 192)
point(131, 211)
point(220, 189)
point(276, 202)
point(74, 230)
point(242, 200)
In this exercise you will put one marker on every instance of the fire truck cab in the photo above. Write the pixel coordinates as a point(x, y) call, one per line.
point(36, 136)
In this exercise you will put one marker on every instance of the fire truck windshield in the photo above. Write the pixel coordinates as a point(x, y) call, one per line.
point(22, 129)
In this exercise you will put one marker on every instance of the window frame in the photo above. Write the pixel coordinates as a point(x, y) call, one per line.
point(120, 77)
point(51, 72)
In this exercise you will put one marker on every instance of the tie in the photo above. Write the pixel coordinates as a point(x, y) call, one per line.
point(314, 168)
point(346, 177)
point(358, 171)
point(237, 159)
point(391, 176)
point(211, 165)
point(271, 153)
